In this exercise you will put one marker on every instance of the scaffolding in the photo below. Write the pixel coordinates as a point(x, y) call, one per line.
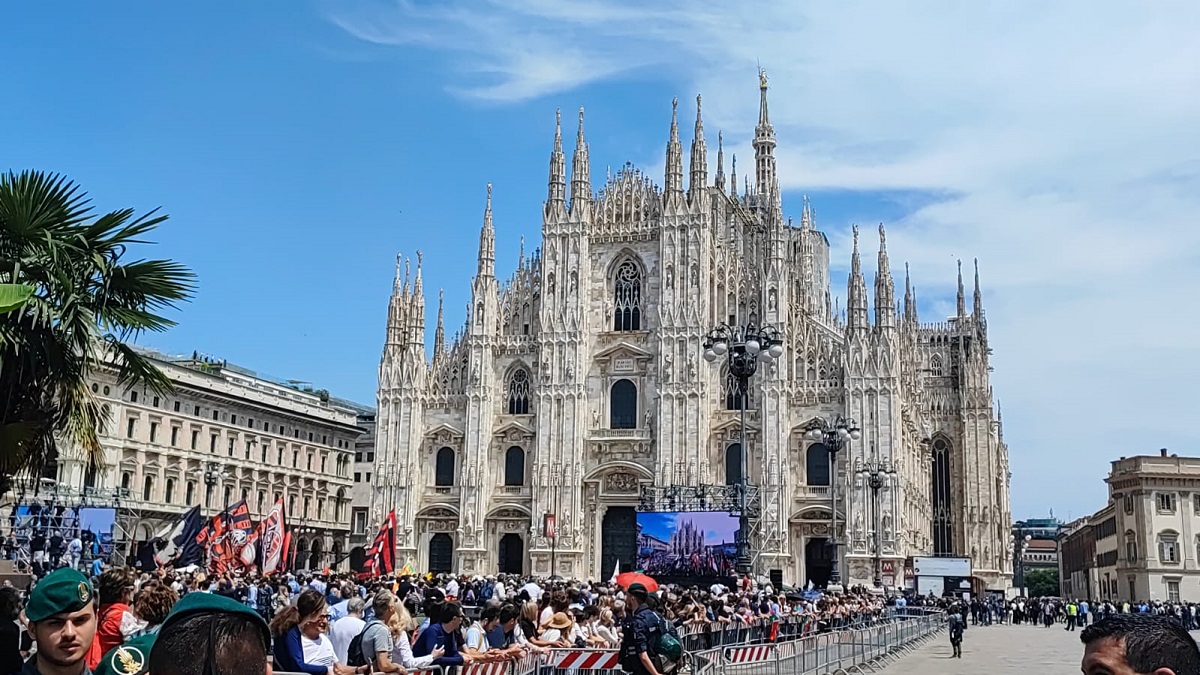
point(55, 508)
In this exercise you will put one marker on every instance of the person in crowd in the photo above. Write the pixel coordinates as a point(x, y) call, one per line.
point(606, 629)
point(117, 620)
point(477, 645)
point(61, 619)
point(151, 606)
point(401, 625)
point(1125, 644)
point(956, 626)
point(14, 642)
point(557, 632)
point(444, 633)
point(348, 627)
point(207, 634)
point(639, 634)
point(298, 632)
point(377, 641)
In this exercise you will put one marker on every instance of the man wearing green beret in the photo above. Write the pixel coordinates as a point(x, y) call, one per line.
point(61, 615)
point(209, 634)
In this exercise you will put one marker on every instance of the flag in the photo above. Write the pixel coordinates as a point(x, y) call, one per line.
point(287, 551)
point(408, 569)
point(381, 557)
point(226, 535)
point(270, 540)
point(176, 544)
point(616, 569)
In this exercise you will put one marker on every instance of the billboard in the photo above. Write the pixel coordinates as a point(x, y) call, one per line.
point(687, 546)
point(941, 567)
point(100, 522)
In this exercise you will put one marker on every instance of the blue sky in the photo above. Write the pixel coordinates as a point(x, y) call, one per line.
point(299, 146)
point(718, 526)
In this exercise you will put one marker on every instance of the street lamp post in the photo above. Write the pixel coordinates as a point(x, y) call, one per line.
point(834, 436)
point(1021, 543)
point(876, 474)
point(743, 347)
point(213, 474)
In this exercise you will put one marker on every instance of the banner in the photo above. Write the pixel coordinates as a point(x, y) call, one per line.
point(225, 537)
point(177, 545)
point(269, 540)
point(381, 557)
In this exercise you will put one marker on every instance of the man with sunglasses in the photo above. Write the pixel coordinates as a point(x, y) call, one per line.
point(444, 634)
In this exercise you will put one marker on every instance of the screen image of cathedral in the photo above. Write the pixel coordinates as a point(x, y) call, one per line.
point(578, 379)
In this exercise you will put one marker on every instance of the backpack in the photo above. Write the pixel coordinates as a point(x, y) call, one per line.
point(668, 652)
point(488, 589)
point(354, 654)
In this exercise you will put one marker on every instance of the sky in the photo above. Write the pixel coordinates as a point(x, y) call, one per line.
point(717, 526)
point(299, 146)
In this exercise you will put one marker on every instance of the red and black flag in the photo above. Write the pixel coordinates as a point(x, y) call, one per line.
point(381, 557)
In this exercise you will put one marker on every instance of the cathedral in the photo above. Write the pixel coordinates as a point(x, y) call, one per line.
point(578, 381)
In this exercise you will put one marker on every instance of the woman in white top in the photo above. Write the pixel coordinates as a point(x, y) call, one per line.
point(606, 628)
point(401, 625)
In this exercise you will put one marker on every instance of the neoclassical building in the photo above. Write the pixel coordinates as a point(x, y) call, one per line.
point(578, 380)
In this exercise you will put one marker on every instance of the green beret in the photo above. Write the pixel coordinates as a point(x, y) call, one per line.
point(63, 591)
point(199, 602)
point(131, 658)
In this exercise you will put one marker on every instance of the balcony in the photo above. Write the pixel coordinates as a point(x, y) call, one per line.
point(442, 493)
point(813, 491)
point(620, 434)
point(513, 491)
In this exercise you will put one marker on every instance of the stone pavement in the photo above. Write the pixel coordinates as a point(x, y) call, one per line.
point(998, 650)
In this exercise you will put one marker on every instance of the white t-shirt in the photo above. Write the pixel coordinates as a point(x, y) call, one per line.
point(318, 652)
point(533, 590)
point(547, 614)
point(477, 638)
point(343, 631)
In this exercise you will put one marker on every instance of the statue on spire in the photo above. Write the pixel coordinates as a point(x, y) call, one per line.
point(762, 78)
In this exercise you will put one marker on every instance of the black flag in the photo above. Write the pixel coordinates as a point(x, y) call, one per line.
point(179, 547)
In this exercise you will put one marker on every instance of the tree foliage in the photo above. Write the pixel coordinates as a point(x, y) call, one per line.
point(86, 300)
point(1042, 582)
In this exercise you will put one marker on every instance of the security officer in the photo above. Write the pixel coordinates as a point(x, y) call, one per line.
point(639, 633)
point(61, 618)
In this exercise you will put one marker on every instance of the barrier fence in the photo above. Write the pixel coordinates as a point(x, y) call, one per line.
point(791, 646)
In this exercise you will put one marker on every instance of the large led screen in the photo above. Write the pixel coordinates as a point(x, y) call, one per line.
point(687, 546)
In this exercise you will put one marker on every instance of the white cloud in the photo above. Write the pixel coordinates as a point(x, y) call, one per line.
point(1065, 132)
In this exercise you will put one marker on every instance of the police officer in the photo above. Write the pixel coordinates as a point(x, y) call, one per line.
point(61, 618)
point(639, 633)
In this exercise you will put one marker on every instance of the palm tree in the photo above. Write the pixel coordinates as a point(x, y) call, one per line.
point(76, 300)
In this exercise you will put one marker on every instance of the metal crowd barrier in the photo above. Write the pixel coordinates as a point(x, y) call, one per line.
point(841, 652)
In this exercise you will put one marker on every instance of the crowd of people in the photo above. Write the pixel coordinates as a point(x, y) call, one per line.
point(340, 625)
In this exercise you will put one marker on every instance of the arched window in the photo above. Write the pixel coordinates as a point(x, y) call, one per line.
point(518, 392)
point(190, 493)
point(148, 488)
point(816, 464)
point(935, 365)
point(623, 405)
point(1168, 547)
point(514, 466)
point(443, 472)
point(228, 496)
point(1131, 550)
point(627, 298)
point(262, 500)
point(170, 495)
point(126, 480)
point(735, 394)
point(942, 489)
point(733, 464)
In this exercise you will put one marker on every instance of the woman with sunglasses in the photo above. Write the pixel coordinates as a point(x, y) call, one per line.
point(301, 643)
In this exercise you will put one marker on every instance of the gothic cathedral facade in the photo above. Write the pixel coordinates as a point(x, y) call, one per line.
point(578, 380)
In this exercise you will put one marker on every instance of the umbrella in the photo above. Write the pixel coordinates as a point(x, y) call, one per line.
point(627, 579)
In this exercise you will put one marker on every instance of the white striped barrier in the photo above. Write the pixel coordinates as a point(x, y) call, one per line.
point(747, 654)
point(491, 668)
point(585, 660)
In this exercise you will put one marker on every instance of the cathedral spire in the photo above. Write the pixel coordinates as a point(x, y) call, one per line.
point(698, 180)
point(418, 286)
point(764, 142)
point(856, 294)
point(962, 301)
point(885, 289)
point(556, 193)
point(396, 283)
point(673, 183)
point(978, 294)
point(439, 332)
point(581, 172)
point(487, 240)
point(733, 179)
point(910, 300)
point(720, 161)
point(407, 276)
point(806, 222)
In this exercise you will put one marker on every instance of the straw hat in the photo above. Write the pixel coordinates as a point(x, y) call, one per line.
point(559, 621)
